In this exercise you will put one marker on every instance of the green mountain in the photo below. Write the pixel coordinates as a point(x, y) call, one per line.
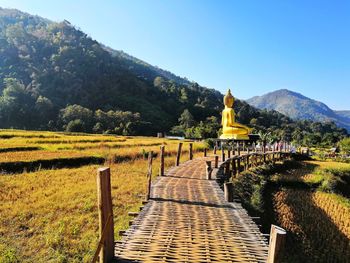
point(63, 66)
point(54, 77)
point(297, 106)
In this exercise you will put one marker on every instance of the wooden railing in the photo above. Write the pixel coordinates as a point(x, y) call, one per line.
point(233, 166)
point(236, 164)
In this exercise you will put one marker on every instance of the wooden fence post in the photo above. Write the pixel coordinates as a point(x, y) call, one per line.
point(228, 192)
point(214, 151)
point(216, 165)
point(238, 166)
point(178, 154)
point(238, 149)
point(228, 153)
point(191, 151)
point(205, 152)
point(105, 214)
point(248, 161)
point(161, 169)
point(208, 170)
point(149, 174)
point(227, 169)
point(276, 245)
point(222, 154)
point(234, 170)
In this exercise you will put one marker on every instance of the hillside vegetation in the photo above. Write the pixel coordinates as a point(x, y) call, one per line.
point(55, 77)
point(299, 196)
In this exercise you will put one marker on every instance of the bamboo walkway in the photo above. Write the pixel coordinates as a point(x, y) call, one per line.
point(188, 220)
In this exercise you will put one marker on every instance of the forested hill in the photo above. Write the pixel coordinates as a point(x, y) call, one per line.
point(54, 77)
point(60, 65)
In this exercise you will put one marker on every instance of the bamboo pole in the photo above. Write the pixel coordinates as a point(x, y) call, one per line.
point(234, 169)
point(106, 229)
point(161, 168)
point(276, 245)
point(178, 155)
point(102, 238)
point(228, 192)
point(208, 170)
point(222, 154)
point(214, 151)
point(149, 175)
point(216, 165)
point(227, 169)
point(205, 152)
point(191, 151)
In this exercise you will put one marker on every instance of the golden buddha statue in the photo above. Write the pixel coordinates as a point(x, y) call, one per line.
point(230, 128)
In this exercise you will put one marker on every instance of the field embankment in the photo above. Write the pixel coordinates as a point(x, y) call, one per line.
point(310, 199)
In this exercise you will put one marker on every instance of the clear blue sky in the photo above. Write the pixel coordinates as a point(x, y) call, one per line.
point(253, 47)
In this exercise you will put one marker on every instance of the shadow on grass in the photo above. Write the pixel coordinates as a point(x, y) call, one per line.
point(32, 166)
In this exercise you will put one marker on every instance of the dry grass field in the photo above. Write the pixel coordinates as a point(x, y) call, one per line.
point(317, 219)
point(50, 215)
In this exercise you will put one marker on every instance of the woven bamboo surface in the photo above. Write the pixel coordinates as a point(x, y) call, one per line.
point(188, 220)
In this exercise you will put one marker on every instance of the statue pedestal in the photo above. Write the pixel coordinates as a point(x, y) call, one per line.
point(236, 137)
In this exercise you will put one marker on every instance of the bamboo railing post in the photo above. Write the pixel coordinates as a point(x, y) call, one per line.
point(234, 167)
point(208, 170)
point(228, 153)
point(205, 152)
point(191, 151)
point(216, 164)
point(238, 149)
point(276, 245)
point(214, 151)
point(149, 174)
point(161, 168)
point(248, 161)
point(233, 151)
point(228, 192)
point(105, 212)
point(238, 166)
point(227, 169)
point(178, 155)
point(222, 154)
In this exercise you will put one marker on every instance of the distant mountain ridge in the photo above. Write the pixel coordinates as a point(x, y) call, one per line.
point(298, 106)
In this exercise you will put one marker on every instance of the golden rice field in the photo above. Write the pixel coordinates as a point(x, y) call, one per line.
point(51, 215)
point(317, 223)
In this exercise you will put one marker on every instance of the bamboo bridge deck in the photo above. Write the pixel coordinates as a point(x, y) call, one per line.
point(188, 220)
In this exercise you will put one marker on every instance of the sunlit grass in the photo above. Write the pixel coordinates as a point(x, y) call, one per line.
point(51, 215)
